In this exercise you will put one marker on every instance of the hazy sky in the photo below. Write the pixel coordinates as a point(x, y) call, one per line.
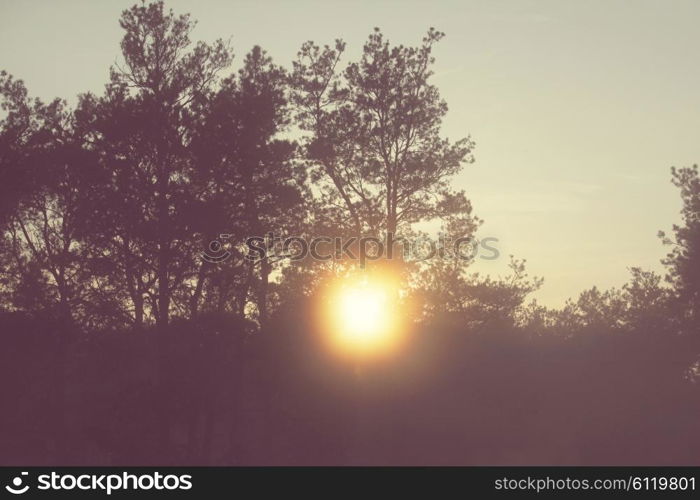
point(578, 109)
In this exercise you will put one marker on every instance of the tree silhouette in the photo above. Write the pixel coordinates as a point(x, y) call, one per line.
point(682, 262)
point(374, 137)
point(160, 82)
point(249, 184)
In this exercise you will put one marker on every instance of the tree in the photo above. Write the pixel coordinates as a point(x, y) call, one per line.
point(373, 138)
point(141, 130)
point(683, 261)
point(18, 136)
point(248, 181)
point(45, 169)
point(444, 288)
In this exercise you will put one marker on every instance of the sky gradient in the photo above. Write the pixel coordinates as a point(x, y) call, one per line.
point(578, 109)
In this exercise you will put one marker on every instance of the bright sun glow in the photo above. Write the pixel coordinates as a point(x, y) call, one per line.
point(362, 316)
point(363, 312)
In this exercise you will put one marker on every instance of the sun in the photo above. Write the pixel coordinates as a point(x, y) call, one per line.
point(363, 312)
point(362, 316)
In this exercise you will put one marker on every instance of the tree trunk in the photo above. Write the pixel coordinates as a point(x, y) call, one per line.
point(265, 270)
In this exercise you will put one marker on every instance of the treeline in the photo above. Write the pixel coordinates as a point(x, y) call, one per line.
point(122, 345)
point(109, 206)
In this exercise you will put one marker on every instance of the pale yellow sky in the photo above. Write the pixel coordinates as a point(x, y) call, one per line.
point(578, 108)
